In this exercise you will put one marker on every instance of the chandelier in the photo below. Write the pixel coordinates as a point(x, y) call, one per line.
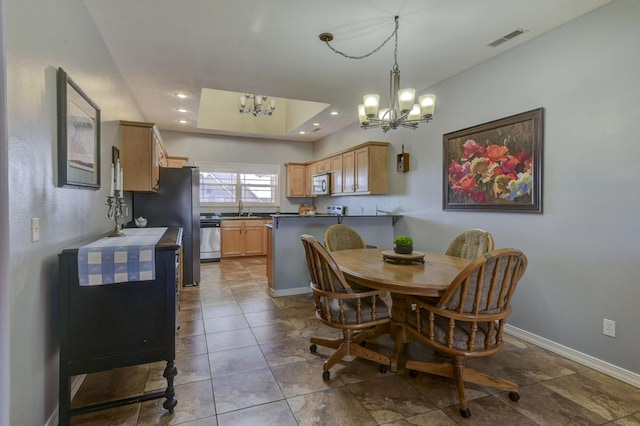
point(257, 105)
point(402, 111)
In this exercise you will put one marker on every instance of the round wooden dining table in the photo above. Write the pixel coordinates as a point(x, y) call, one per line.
point(367, 267)
point(431, 278)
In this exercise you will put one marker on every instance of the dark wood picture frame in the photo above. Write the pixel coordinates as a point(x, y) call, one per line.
point(495, 166)
point(78, 136)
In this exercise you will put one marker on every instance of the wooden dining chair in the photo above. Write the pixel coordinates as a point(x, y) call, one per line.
point(338, 305)
point(470, 244)
point(468, 321)
point(342, 237)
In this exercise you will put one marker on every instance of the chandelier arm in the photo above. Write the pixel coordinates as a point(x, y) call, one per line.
point(394, 33)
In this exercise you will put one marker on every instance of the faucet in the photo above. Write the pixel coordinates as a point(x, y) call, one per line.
point(239, 207)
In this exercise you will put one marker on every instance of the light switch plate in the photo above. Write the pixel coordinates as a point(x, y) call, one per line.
point(35, 229)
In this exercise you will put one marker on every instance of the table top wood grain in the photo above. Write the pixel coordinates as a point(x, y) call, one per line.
point(367, 267)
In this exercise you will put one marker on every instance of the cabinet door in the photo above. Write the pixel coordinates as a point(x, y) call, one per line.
point(159, 162)
point(348, 171)
point(308, 184)
point(296, 174)
point(323, 165)
point(362, 170)
point(336, 174)
point(232, 238)
point(177, 162)
point(253, 237)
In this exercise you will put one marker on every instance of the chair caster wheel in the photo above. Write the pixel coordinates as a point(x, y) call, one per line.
point(514, 396)
point(383, 368)
point(326, 375)
point(313, 348)
point(465, 413)
point(413, 373)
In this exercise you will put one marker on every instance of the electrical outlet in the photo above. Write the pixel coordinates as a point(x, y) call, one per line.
point(609, 328)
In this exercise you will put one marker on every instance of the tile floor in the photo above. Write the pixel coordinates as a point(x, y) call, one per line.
point(243, 359)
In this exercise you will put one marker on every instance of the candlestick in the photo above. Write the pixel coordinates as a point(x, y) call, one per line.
point(118, 175)
point(111, 182)
point(115, 211)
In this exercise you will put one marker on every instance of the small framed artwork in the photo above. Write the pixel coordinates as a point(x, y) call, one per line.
point(495, 166)
point(78, 136)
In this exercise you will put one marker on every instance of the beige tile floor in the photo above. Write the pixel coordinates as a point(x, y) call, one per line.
point(243, 359)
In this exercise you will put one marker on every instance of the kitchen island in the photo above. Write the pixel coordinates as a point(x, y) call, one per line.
point(288, 272)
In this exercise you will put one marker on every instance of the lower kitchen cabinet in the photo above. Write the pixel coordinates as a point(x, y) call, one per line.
point(243, 237)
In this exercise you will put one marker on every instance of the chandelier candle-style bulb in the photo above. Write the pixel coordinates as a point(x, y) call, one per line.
point(362, 116)
point(414, 114)
point(427, 105)
point(371, 104)
point(405, 99)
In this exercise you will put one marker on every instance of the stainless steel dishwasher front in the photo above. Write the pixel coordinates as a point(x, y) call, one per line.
point(210, 240)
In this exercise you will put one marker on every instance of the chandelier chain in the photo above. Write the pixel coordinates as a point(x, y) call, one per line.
point(394, 33)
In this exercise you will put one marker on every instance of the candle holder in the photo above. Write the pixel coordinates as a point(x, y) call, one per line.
point(115, 203)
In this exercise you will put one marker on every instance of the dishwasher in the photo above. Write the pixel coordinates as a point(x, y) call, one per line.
point(209, 238)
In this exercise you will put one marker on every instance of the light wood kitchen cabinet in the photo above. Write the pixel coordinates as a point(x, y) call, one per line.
point(296, 183)
point(176, 162)
point(143, 153)
point(244, 237)
point(336, 174)
point(323, 165)
point(310, 170)
point(365, 169)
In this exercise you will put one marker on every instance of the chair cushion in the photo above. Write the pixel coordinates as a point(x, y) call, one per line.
point(350, 310)
point(461, 331)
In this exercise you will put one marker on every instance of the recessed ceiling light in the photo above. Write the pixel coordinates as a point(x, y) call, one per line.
point(182, 110)
point(316, 124)
point(302, 132)
point(182, 95)
point(334, 112)
point(182, 121)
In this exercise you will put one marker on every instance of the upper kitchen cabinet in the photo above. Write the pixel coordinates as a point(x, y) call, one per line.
point(143, 153)
point(364, 170)
point(176, 162)
point(310, 170)
point(336, 174)
point(323, 165)
point(296, 179)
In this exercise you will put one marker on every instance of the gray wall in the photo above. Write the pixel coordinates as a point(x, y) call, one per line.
point(4, 236)
point(41, 36)
point(583, 250)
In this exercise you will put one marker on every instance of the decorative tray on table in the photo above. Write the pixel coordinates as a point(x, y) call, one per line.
point(393, 257)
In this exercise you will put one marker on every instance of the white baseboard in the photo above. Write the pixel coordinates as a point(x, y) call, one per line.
point(289, 291)
point(584, 359)
point(75, 386)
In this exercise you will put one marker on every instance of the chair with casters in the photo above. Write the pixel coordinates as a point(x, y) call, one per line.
point(342, 237)
point(470, 244)
point(355, 312)
point(468, 321)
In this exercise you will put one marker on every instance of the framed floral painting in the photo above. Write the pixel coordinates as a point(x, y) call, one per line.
point(496, 166)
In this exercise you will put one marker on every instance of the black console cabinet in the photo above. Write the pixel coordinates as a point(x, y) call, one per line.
point(118, 325)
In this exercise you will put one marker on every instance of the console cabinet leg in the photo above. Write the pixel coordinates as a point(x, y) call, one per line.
point(170, 372)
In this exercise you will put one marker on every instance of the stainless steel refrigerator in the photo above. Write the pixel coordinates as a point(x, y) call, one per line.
point(177, 203)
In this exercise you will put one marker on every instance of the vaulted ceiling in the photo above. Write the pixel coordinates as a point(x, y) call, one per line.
point(271, 47)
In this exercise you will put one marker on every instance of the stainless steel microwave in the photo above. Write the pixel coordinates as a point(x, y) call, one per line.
point(321, 183)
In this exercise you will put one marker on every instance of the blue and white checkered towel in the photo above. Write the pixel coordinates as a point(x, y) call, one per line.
point(112, 260)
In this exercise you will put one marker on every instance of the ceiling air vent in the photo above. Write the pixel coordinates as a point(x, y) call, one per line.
point(507, 37)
